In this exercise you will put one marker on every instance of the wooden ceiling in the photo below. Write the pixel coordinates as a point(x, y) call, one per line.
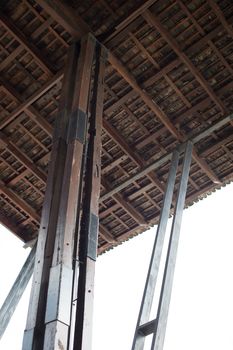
point(169, 79)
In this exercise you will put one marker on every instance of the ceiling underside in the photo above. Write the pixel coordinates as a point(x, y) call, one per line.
point(169, 78)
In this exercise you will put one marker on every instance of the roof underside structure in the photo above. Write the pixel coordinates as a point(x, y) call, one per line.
point(169, 78)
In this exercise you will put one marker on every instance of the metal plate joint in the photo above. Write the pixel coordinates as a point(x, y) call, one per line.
point(77, 126)
point(93, 236)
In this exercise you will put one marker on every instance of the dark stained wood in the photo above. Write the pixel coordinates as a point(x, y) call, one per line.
point(169, 78)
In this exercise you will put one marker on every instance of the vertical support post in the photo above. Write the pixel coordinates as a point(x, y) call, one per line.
point(49, 317)
point(16, 292)
point(34, 332)
point(59, 296)
point(147, 299)
point(165, 295)
point(87, 250)
point(157, 327)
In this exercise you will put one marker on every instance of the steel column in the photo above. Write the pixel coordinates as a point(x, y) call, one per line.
point(16, 292)
point(56, 269)
point(157, 327)
point(152, 275)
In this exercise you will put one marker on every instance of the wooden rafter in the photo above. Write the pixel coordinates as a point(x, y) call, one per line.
point(221, 17)
point(132, 82)
point(47, 86)
point(144, 64)
point(19, 202)
point(32, 49)
point(155, 22)
point(161, 115)
point(16, 229)
point(30, 110)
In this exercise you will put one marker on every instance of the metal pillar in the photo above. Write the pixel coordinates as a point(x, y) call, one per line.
point(157, 327)
point(16, 292)
point(69, 225)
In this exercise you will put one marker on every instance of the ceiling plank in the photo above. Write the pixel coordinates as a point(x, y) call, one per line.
point(220, 16)
point(53, 9)
point(16, 229)
point(61, 13)
point(106, 235)
point(29, 46)
point(22, 158)
point(34, 97)
point(30, 110)
point(19, 202)
point(126, 205)
point(155, 22)
point(159, 113)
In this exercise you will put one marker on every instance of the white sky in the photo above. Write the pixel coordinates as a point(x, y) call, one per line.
point(201, 312)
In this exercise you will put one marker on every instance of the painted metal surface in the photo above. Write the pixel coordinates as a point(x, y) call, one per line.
point(157, 327)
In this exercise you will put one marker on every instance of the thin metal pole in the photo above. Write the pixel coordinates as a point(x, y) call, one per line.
point(16, 292)
point(152, 275)
point(165, 295)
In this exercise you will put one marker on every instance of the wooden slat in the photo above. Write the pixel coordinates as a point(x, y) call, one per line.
point(158, 112)
point(34, 51)
point(19, 202)
point(155, 22)
point(34, 97)
point(26, 161)
point(30, 110)
point(221, 17)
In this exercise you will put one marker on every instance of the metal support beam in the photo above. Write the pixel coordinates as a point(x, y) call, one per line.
point(69, 224)
point(16, 292)
point(157, 326)
point(165, 295)
point(152, 275)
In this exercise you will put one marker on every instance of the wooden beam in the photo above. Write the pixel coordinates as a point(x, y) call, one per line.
point(53, 81)
point(22, 158)
point(16, 229)
point(106, 235)
point(156, 164)
point(69, 19)
point(29, 46)
point(118, 66)
point(218, 12)
point(133, 15)
point(202, 32)
point(155, 22)
point(30, 110)
point(130, 152)
point(125, 235)
point(30, 100)
point(158, 112)
point(19, 202)
point(52, 8)
point(128, 207)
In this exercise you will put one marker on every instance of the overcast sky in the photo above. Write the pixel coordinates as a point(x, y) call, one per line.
point(201, 312)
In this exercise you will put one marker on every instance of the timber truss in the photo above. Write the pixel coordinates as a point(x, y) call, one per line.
point(168, 79)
